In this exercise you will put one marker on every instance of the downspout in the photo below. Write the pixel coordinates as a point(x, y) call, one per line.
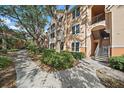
point(86, 34)
point(108, 11)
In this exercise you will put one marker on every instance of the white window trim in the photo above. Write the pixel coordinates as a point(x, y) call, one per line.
point(75, 46)
point(75, 12)
point(75, 28)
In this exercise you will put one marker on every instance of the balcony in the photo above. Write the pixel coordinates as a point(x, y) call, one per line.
point(98, 18)
point(52, 40)
point(53, 29)
point(60, 36)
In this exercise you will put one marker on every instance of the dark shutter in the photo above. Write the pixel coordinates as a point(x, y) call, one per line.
point(73, 30)
point(78, 11)
point(77, 28)
point(73, 46)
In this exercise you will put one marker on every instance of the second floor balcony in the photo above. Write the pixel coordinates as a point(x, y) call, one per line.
point(98, 18)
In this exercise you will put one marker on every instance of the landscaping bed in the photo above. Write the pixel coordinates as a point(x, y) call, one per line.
point(7, 72)
point(117, 62)
point(50, 60)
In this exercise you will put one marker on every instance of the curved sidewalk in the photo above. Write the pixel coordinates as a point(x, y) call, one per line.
point(29, 75)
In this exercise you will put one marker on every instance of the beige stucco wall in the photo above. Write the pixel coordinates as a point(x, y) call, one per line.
point(77, 37)
point(114, 24)
point(117, 30)
point(118, 26)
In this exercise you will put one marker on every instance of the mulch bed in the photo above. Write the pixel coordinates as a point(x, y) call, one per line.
point(44, 67)
point(8, 77)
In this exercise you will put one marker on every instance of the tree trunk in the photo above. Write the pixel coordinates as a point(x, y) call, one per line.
point(3, 41)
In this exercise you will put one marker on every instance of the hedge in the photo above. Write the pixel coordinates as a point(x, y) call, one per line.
point(62, 60)
point(57, 60)
point(117, 62)
point(5, 61)
point(78, 55)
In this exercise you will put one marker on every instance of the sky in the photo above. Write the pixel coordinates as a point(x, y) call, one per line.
point(11, 23)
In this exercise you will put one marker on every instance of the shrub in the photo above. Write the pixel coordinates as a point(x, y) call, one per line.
point(41, 50)
point(13, 50)
point(5, 61)
point(3, 51)
point(78, 55)
point(123, 55)
point(68, 59)
point(57, 60)
point(117, 62)
point(33, 48)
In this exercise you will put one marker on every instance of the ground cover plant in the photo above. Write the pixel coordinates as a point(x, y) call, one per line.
point(4, 61)
point(117, 62)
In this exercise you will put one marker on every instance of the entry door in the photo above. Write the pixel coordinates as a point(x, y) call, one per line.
point(102, 51)
point(105, 51)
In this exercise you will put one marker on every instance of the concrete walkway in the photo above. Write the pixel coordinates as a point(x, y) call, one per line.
point(29, 75)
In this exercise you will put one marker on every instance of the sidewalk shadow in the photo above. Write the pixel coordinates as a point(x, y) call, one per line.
point(77, 78)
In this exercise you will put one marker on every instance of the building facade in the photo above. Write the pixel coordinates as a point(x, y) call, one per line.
point(8, 40)
point(96, 30)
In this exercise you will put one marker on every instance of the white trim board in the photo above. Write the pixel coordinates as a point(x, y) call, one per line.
point(117, 46)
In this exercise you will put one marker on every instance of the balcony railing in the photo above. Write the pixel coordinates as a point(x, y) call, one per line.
point(60, 36)
point(98, 18)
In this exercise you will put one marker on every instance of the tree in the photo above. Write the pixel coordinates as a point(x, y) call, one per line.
point(31, 18)
point(3, 29)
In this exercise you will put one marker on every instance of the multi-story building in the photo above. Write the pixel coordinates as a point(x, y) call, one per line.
point(96, 30)
point(9, 39)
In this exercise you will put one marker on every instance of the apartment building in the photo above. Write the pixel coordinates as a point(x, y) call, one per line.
point(96, 30)
point(5, 34)
point(8, 39)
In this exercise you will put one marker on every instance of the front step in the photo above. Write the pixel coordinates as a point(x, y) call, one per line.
point(100, 58)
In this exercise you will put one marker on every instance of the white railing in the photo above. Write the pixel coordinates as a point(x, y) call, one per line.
point(98, 18)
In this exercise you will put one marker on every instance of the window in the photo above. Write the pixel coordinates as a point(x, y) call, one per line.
point(52, 35)
point(76, 29)
point(53, 27)
point(75, 46)
point(76, 13)
point(52, 46)
point(60, 19)
point(62, 46)
point(73, 30)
